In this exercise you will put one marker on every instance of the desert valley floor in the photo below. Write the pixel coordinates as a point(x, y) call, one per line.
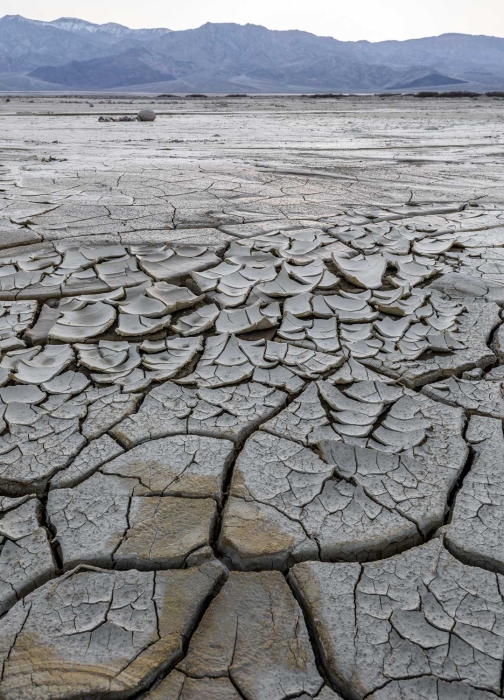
point(251, 399)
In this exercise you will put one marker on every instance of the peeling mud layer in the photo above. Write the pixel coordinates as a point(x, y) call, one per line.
point(251, 399)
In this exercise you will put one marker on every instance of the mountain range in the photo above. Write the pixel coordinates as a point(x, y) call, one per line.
point(71, 54)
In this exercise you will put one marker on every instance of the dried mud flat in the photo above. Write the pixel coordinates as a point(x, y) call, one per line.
point(251, 399)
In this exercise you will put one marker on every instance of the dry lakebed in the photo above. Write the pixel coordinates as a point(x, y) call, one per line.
point(251, 398)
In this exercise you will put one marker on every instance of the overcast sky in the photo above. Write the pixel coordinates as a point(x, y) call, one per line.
point(344, 19)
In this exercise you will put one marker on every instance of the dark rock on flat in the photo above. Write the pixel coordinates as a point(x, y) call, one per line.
point(147, 115)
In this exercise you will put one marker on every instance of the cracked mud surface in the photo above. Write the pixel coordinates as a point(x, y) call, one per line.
point(251, 400)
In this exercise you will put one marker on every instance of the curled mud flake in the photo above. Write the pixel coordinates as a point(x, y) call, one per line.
point(82, 323)
point(365, 271)
point(197, 322)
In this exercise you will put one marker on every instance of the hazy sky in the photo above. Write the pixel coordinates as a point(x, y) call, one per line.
point(344, 19)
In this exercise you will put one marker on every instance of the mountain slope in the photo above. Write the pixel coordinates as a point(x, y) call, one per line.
point(431, 80)
point(451, 52)
point(26, 44)
point(128, 68)
point(247, 56)
point(220, 57)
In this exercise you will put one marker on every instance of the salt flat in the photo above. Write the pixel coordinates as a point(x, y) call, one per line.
point(251, 398)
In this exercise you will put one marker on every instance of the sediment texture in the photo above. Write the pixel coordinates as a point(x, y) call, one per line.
point(251, 438)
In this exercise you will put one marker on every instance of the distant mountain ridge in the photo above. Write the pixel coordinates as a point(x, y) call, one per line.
point(111, 31)
point(72, 54)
